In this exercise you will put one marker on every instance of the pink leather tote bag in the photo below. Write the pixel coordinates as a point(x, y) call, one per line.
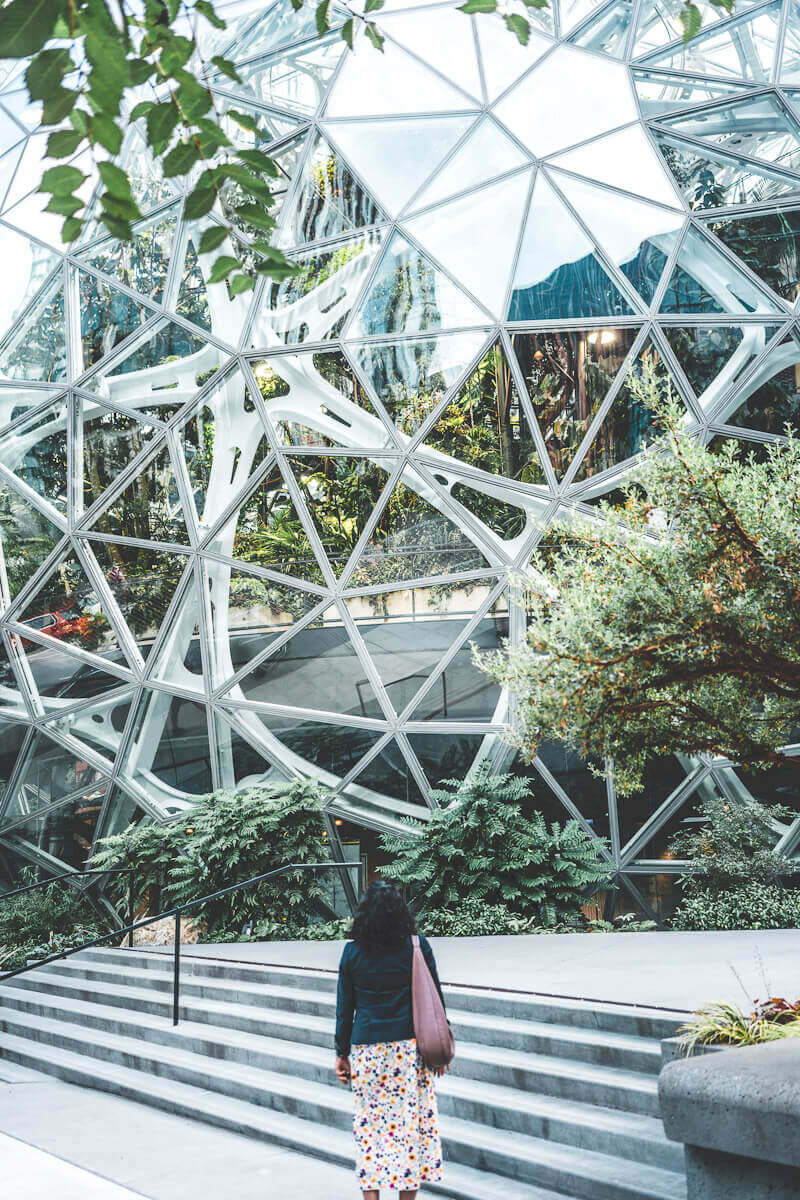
point(435, 1042)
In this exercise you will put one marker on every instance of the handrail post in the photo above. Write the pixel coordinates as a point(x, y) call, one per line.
point(176, 978)
point(130, 907)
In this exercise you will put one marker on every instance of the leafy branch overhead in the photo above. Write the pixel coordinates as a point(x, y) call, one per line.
point(98, 66)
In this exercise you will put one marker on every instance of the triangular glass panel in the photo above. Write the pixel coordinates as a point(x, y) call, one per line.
point(568, 373)
point(17, 399)
point(714, 357)
point(574, 12)
point(711, 179)
point(27, 207)
point(463, 692)
point(267, 532)
point(407, 632)
point(66, 607)
point(120, 814)
point(99, 726)
point(149, 507)
point(340, 493)
point(414, 540)
point(278, 25)
point(64, 834)
point(179, 660)
point(661, 92)
point(757, 127)
point(32, 264)
point(389, 775)
point(629, 425)
point(558, 273)
point(769, 401)
point(410, 295)
point(397, 85)
point(12, 738)
point(8, 165)
point(607, 31)
point(743, 48)
point(36, 451)
point(285, 158)
point(107, 317)
point(507, 518)
point(51, 772)
point(247, 614)
point(64, 678)
point(36, 347)
point(769, 243)
point(443, 40)
point(111, 440)
point(328, 202)
point(223, 442)
point(143, 582)
point(659, 23)
point(240, 764)
point(169, 750)
point(411, 377)
point(475, 238)
point(27, 537)
point(270, 126)
point(316, 399)
point(626, 160)
point(638, 237)
point(143, 263)
point(192, 301)
point(607, 100)
point(313, 747)
point(444, 756)
point(177, 364)
point(503, 58)
point(484, 425)
point(704, 280)
point(316, 668)
point(486, 153)
point(294, 80)
point(314, 305)
point(394, 158)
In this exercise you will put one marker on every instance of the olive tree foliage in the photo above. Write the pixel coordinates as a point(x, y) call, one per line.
point(98, 65)
point(672, 624)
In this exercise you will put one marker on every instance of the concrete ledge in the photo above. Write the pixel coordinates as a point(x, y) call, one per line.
point(671, 1050)
point(743, 1102)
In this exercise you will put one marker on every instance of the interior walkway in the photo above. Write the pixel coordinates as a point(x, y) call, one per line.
point(668, 970)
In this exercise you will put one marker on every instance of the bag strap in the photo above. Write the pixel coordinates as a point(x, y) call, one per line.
point(415, 940)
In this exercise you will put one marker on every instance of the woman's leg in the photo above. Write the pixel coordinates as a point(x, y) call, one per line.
point(376, 1195)
point(407, 1195)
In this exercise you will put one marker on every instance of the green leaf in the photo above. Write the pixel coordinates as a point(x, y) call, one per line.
point(115, 180)
point(161, 121)
point(193, 98)
point(212, 237)
point(117, 227)
point(26, 25)
point(45, 73)
point(726, 4)
point(536, 3)
point(175, 54)
point(254, 215)
point(140, 70)
point(207, 10)
point(375, 36)
point(259, 160)
point(62, 180)
point(199, 202)
point(71, 229)
point(245, 120)
point(479, 6)
point(519, 26)
point(373, 5)
point(119, 207)
point(141, 109)
point(105, 131)
point(222, 268)
point(65, 206)
point(276, 270)
point(241, 283)
point(691, 19)
point(321, 16)
point(226, 67)
point(180, 159)
point(347, 32)
point(63, 143)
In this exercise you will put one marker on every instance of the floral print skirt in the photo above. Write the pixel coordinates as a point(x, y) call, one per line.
point(396, 1120)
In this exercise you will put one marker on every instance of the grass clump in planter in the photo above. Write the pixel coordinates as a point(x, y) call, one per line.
point(728, 1025)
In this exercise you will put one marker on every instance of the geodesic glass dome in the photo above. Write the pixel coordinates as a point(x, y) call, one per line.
point(253, 537)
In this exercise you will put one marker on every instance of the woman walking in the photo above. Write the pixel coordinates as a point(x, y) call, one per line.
point(396, 1122)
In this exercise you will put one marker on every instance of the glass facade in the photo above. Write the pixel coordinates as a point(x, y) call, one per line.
point(253, 536)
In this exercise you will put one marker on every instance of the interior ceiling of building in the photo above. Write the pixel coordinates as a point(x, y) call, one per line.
point(256, 536)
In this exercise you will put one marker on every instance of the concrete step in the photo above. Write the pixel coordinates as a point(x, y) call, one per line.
point(632, 1053)
point(628, 1135)
point(169, 1077)
point(632, 1020)
point(551, 1075)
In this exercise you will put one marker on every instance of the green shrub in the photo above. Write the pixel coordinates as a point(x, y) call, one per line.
point(727, 1025)
point(43, 921)
point(479, 844)
point(733, 845)
point(749, 906)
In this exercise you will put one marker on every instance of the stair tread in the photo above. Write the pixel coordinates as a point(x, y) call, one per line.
point(533, 1151)
point(491, 1093)
point(497, 1055)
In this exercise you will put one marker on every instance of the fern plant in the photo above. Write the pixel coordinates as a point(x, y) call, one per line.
point(481, 845)
point(150, 850)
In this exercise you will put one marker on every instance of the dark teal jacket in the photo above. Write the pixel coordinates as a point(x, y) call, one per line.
point(373, 999)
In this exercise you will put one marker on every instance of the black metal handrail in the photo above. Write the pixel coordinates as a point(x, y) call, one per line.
point(73, 877)
point(177, 913)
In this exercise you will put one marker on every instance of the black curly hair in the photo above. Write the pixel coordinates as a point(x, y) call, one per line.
point(382, 919)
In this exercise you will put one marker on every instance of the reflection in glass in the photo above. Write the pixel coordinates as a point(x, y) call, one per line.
point(66, 607)
point(715, 357)
point(770, 399)
point(705, 281)
point(711, 179)
point(36, 451)
point(169, 748)
point(37, 350)
point(333, 748)
point(329, 201)
point(757, 128)
point(26, 539)
point(111, 440)
point(64, 833)
point(149, 507)
point(770, 245)
point(143, 582)
point(742, 49)
point(143, 263)
point(340, 493)
point(294, 79)
point(50, 774)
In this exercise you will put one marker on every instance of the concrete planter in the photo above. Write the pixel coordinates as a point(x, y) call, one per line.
point(671, 1050)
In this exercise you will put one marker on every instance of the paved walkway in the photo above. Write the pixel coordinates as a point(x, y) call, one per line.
point(669, 970)
point(60, 1142)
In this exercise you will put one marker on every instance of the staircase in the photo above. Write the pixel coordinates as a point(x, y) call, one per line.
point(547, 1099)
